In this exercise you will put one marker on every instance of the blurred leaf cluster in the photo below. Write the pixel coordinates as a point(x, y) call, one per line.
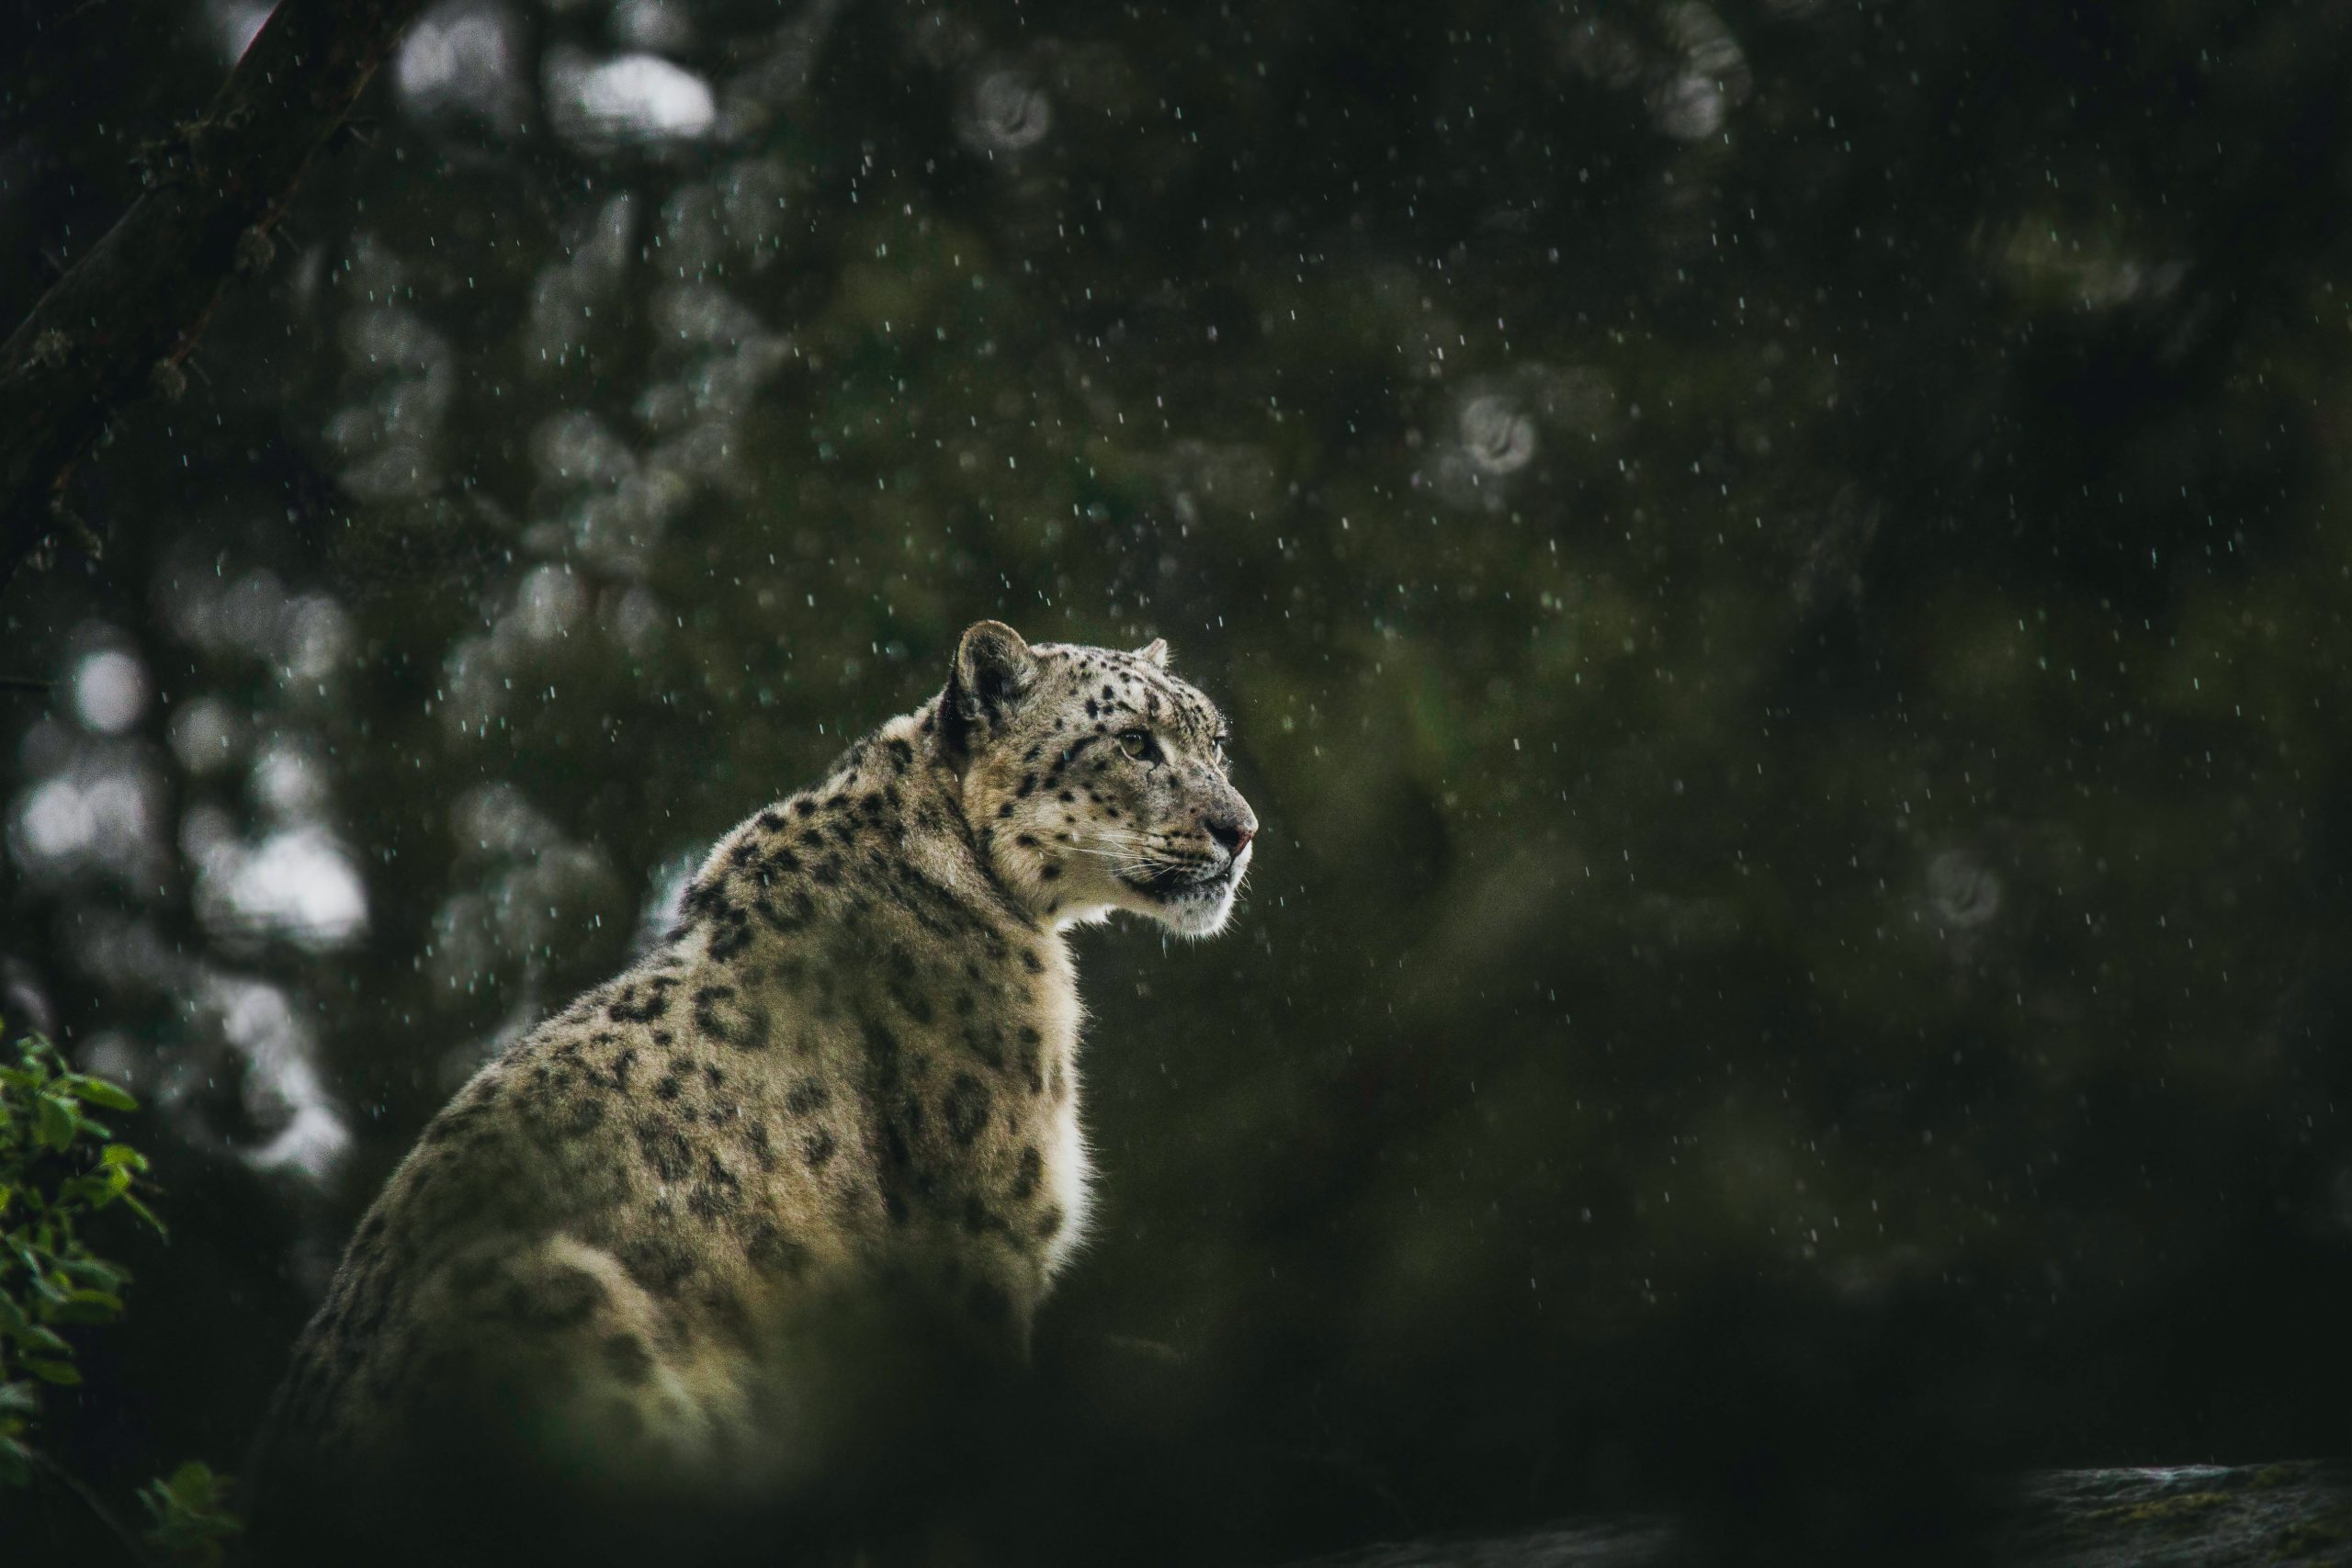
point(188, 1516)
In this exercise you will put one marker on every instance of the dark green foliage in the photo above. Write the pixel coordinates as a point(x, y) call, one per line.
point(60, 1170)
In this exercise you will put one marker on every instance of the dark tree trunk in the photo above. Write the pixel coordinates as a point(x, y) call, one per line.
point(118, 324)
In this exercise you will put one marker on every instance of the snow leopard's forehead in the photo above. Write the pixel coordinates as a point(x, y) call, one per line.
point(1106, 684)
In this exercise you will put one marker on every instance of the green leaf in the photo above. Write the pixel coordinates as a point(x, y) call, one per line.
point(33, 1337)
point(193, 1484)
point(94, 1191)
point(98, 1091)
point(95, 1273)
point(56, 1122)
point(53, 1371)
point(125, 1155)
point(87, 1306)
point(18, 1399)
point(144, 1212)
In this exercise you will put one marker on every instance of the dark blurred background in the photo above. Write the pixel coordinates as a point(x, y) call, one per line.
point(1780, 570)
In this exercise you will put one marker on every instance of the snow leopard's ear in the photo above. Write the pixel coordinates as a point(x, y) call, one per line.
point(993, 668)
point(1154, 653)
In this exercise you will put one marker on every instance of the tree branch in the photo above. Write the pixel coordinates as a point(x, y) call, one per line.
point(65, 1481)
point(121, 322)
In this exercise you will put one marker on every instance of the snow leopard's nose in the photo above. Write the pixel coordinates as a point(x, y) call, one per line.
point(1233, 832)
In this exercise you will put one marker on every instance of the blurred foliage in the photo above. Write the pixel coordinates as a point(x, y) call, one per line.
point(1778, 571)
point(188, 1517)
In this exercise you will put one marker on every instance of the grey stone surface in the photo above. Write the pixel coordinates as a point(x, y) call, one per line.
point(2273, 1516)
point(2209, 1515)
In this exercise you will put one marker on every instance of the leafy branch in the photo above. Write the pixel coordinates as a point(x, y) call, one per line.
point(60, 1168)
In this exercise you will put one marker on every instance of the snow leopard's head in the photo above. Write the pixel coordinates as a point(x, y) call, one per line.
point(1093, 780)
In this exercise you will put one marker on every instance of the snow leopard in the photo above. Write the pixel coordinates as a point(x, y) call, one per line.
point(838, 1100)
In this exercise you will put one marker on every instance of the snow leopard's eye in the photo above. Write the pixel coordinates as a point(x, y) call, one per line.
point(1139, 744)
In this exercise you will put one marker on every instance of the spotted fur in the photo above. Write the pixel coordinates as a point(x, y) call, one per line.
point(854, 1060)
